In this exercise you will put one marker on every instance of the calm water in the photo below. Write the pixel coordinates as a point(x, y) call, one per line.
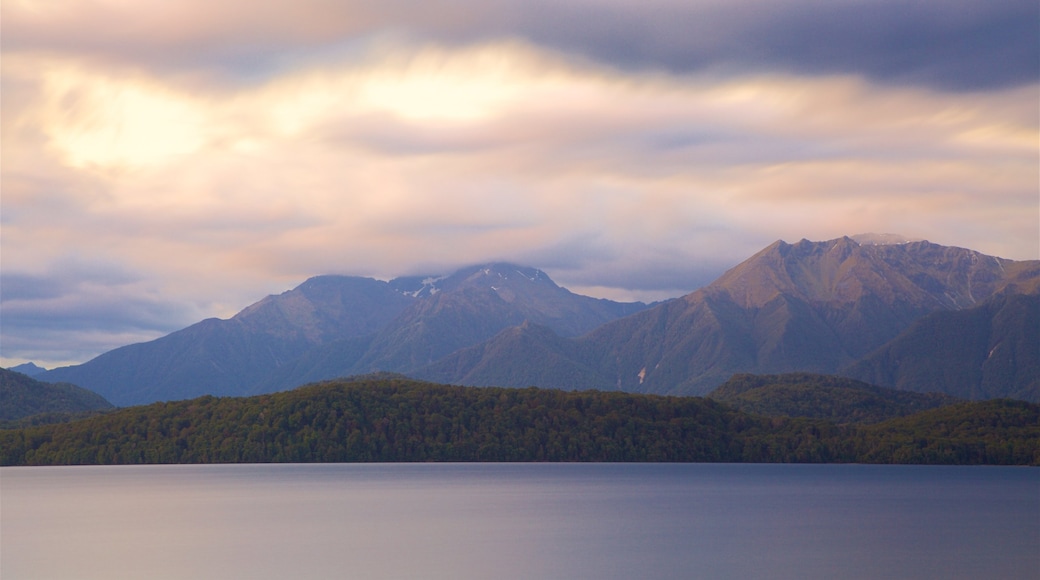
point(536, 521)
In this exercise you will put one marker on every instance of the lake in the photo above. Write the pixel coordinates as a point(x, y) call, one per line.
point(519, 521)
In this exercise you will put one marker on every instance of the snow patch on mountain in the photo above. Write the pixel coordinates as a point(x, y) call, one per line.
point(872, 239)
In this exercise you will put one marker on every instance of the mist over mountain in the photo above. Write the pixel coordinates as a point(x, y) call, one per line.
point(820, 307)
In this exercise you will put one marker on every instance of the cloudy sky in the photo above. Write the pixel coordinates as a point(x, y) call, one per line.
point(164, 162)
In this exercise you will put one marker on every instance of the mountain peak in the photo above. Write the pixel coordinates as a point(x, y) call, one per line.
point(872, 239)
point(504, 271)
point(490, 275)
point(843, 270)
point(30, 369)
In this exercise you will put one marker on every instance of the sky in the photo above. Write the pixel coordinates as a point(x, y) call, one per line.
point(165, 162)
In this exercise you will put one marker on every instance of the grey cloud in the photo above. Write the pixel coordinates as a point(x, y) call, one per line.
point(646, 277)
point(95, 307)
point(62, 278)
point(960, 44)
point(80, 327)
point(590, 260)
point(953, 45)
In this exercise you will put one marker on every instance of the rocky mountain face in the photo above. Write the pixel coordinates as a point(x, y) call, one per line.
point(333, 326)
point(810, 306)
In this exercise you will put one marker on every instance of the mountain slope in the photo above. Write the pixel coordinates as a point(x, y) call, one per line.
point(992, 350)
point(811, 307)
point(504, 360)
point(22, 396)
point(475, 304)
point(333, 326)
point(231, 357)
point(451, 314)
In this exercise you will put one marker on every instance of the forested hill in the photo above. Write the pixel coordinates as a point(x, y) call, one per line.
point(22, 396)
point(396, 419)
point(834, 398)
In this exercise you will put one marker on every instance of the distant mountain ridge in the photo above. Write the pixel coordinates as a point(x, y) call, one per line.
point(331, 326)
point(820, 307)
point(231, 357)
point(29, 369)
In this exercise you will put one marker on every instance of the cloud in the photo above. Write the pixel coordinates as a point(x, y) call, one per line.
point(151, 183)
point(962, 45)
point(76, 308)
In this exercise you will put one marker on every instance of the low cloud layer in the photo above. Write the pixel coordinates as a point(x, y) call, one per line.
point(165, 163)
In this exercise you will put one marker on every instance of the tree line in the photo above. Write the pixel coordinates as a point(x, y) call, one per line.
point(400, 420)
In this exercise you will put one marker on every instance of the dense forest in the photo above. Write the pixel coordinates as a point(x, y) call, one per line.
point(396, 419)
point(836, 399)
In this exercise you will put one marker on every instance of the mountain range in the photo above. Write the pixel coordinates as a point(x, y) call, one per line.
point(332, 326)
point(811, 306)
point(884, 310)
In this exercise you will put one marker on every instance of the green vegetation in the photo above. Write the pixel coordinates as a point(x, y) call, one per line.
point(26, 401)
point(50, 418)
point(835, 399)
point(999, 432)
point(395, 419)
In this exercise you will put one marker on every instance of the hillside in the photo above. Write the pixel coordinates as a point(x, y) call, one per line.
point(232, 357)
point(505, 360)
point(835, 399)
point(394, 419)
point(991, 350)
point(22, 396)
point(963, 433)
point(475, 304)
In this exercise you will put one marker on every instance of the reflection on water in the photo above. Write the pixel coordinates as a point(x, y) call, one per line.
point(536, 521)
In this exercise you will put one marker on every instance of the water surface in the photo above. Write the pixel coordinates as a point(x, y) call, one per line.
point(519, 521)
